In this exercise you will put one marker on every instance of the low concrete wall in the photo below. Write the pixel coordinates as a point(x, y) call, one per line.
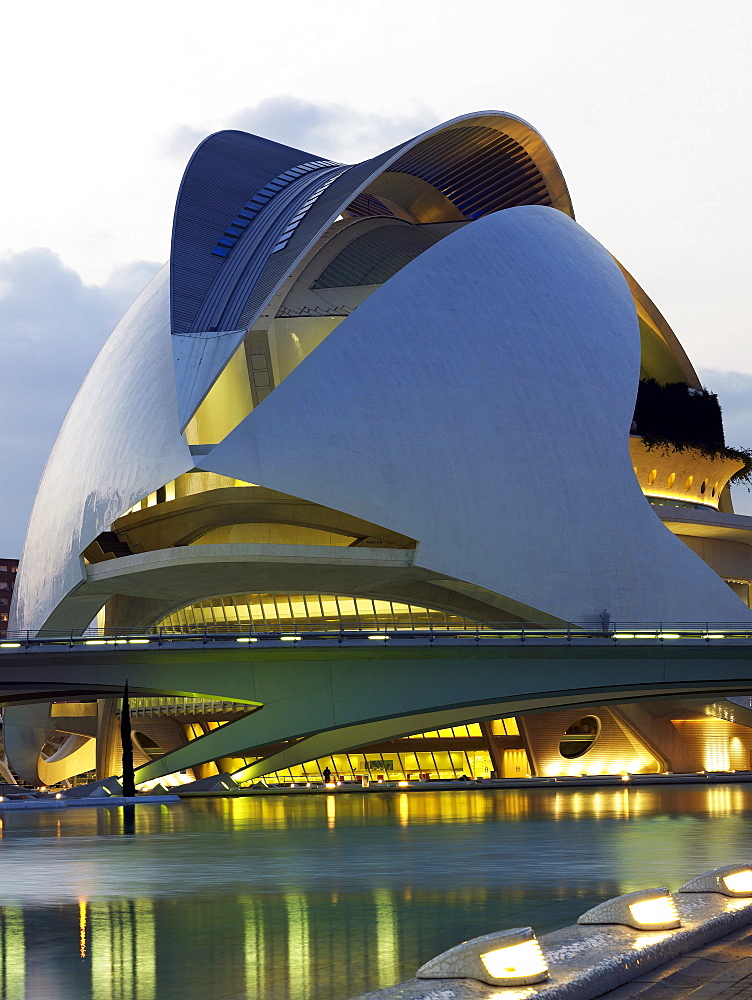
point(586, 961)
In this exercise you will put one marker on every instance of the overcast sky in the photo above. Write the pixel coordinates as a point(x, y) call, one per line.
point(646, 105)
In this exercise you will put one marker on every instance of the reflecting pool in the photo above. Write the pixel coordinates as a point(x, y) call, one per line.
point(324, 897)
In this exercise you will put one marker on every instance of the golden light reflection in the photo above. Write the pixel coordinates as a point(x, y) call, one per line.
point(516, 994)
point(123, 950)
point(254, 947)
point(403, 806)
point(82, 928)
point(331, 812)
point(12, 953)
point(645, 940)
point(298, 946)
point(387, 940)
point(732, 905)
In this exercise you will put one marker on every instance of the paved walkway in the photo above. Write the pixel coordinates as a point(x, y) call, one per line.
point(719, 971)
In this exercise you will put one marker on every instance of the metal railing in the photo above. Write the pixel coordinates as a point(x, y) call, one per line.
point(703, 633)
point(158, 706)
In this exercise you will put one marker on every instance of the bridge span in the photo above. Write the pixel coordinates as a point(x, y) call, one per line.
point(332, 692)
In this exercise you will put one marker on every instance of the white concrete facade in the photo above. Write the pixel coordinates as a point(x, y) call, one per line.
point(467, 392)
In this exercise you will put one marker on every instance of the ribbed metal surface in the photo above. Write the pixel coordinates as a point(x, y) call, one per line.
point(270, 233)
point(328, 206)
point(366, 205)
point(225, 171)
point(261, 198)
point(479, 169)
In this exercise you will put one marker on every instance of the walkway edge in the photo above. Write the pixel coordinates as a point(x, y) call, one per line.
point(586, 961)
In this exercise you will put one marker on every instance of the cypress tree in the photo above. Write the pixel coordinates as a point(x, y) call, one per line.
point(129, 777)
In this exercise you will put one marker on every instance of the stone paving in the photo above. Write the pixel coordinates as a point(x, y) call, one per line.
point(719, 971)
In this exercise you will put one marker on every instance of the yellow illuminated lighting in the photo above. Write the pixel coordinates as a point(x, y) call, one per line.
point(739, 882)
point(645, 940)
point(246, 640)
point(403, 784)
point(59, 795)
point(625, 777)
point(10, 645)
point(330, 784)
point(669, 635)
point(82, 928)
point(714, 635)
point(652, 909)
point(2, 798)
point(516, 962)
point(380, 638)
point(654, 912)
point(134, 641)
point(290, 638)
point(95, 642)
point(624, 635)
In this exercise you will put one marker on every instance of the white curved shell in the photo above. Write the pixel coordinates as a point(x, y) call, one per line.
point(480, 402)
point(119, 442)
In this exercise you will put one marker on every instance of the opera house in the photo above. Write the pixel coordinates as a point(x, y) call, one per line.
point(409, 394)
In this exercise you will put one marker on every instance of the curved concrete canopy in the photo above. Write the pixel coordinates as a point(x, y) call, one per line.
point(491, 424)
point(164, 580)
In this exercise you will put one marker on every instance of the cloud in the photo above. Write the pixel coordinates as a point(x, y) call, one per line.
point(52, 326)
point(337, 131)
point(734, 391)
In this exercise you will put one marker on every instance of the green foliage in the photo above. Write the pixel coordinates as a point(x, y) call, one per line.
point(674, 417)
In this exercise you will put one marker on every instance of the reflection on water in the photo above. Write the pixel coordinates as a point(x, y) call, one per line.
point(323, 897)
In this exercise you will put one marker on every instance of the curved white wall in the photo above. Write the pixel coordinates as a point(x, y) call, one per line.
point(480, 402)
point(120, 441)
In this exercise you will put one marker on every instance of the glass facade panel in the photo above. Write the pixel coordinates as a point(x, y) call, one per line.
point(272, 612)
point(374, 257)
point(271, 534)
point(292, 340)
point(227, 403)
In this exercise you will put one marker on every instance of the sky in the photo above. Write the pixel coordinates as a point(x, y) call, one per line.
point(645, 104)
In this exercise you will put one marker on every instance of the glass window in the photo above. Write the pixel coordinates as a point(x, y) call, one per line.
point(375, 257)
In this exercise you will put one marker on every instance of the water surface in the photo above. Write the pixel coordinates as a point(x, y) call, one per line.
point(325, 897)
